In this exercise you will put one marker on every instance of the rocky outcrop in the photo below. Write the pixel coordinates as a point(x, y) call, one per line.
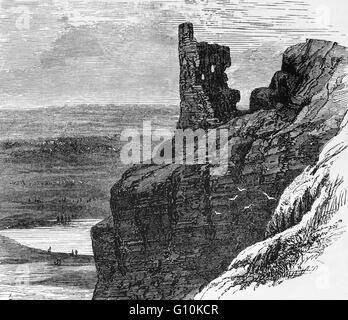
point(306, 69)
point(206, 99)
point(308, 239)
point(177, 227)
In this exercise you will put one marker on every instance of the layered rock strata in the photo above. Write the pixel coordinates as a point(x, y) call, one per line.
point(175, 228)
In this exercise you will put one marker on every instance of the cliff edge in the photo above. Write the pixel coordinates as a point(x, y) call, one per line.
point(175, 228)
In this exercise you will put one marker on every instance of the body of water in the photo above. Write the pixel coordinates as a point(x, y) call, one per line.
point(39, 182)
point(44, 280)
point(61, 238)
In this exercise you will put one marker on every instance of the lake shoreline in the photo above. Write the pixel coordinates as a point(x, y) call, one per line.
point(30, 274)
point(12, 252)
point(63, 240)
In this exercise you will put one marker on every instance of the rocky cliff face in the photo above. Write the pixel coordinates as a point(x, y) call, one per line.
point(309, 239)
point(301, 76)
point(175, 228)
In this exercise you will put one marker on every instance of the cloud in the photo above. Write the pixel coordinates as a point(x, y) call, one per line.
point(77, 42)
point(117, 50)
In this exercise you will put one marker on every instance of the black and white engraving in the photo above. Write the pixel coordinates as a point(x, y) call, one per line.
point(173, 150)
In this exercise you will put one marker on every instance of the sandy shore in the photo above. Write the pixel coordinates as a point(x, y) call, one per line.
point(13, 252)
point(27, 273)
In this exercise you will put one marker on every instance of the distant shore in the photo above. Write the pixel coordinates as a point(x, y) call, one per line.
point(33, 274)
point(12, 252)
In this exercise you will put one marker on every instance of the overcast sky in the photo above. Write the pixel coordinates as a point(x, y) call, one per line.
point(56, 52)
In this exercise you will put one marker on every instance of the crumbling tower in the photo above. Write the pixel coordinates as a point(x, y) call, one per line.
point(206, 99)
